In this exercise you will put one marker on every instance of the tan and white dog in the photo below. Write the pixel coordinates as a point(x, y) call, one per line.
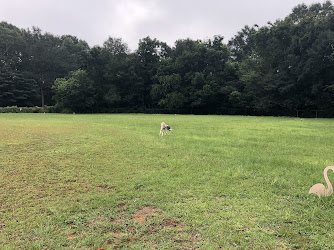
point(164, 128)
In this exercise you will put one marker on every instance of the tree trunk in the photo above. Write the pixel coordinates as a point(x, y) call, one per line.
point(42, 96)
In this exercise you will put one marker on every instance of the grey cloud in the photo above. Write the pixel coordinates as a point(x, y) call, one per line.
point(131, 20)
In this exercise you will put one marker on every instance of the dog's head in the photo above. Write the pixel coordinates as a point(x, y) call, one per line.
point(168, 128)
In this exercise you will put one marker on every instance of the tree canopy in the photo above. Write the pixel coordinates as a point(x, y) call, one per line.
point(269, 70)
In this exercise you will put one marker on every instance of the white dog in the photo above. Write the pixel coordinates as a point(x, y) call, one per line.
point(164, 128)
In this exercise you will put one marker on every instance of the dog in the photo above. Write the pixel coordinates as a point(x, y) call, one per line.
point(164, 128)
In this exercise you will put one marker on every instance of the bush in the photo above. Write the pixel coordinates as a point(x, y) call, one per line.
point(36, 109)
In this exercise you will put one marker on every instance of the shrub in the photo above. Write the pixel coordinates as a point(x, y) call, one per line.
point(36, 109)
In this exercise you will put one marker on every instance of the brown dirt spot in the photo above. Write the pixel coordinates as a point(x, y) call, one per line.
point(117, 221)
point(84, 186)
point(221, 197)
point(121, 205)
point(143, 213)
point(98, 219)
point(152, 244)
point(195, 238)
point(117, 235)
point(101, 186)
point(139, 218)
point(270, 230)
point(281, 244)
point(72, 236)
point(118, 238)
point(171, 223)
point(91, 222)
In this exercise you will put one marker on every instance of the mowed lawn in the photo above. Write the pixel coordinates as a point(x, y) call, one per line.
point(109, 181)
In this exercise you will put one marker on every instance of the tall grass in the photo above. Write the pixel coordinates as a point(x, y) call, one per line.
point(90, 181)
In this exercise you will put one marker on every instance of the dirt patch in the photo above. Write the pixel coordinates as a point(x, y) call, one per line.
point(152, 244)
point(99, 219)
point(121, 205)
point(139, 218)
point(117, 221)
point(150, 223)
point(142, 214)
point(72, 236)
point(171, 223)
point(83, 186)
point(103, 187)
point(118, 238)
point(117, 235)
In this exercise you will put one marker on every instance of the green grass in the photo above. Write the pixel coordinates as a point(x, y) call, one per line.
point(107, 181)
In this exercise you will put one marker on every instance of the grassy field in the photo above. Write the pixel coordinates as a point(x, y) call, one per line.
point(109, 181)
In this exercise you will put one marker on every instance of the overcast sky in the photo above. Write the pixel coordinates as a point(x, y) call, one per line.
point(131, 20)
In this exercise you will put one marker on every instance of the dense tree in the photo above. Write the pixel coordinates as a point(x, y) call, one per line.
point(76, 93)
point(149, 52)
point(51, 57)
point(109, 67)
point(16, 89)
point(42, 57)
point(284, 65)
point(16, 85)
point(289, 64)
point(194, 74)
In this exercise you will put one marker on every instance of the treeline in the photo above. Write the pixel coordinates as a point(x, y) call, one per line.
point(286, 65)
